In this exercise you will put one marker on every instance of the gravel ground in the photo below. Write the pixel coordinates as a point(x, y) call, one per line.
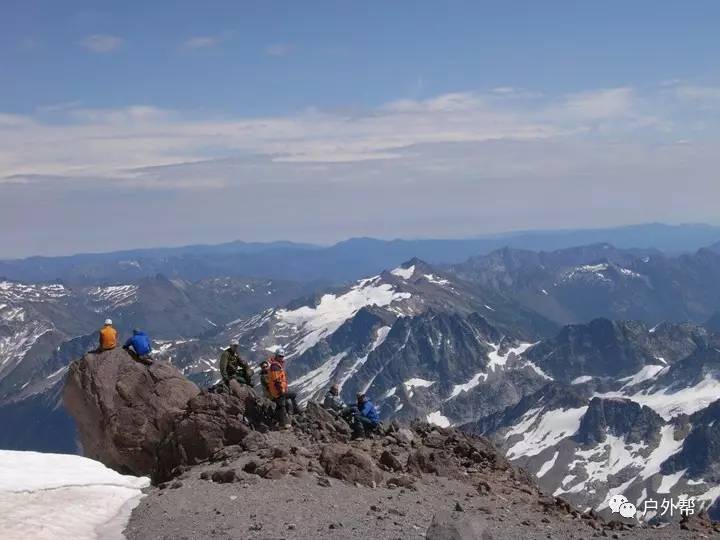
point(298, 507)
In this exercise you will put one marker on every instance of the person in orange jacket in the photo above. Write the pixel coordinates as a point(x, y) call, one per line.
point(108, 336)
point(277, 387)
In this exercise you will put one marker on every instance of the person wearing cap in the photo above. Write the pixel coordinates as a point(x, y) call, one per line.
point(367, 418)
point(233, 367)
point(108, 336)
point(277, 385)
point(332, 401)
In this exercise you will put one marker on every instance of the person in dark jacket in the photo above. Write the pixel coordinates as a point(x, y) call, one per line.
point(367, 419)
point(139, 347)
point(232, 366)
point(332, 401)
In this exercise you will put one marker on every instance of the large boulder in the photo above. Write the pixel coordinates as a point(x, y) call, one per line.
point(210, 422)
point(123, 409)
point(350, 464)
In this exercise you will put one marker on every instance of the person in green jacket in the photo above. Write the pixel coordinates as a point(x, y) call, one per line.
point(232, 366)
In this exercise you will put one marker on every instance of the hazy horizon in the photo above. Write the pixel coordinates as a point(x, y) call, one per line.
point(161, 124)
point(499, 234)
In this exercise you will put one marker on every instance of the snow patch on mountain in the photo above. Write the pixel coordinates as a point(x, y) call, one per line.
point(541, 431)
point(438, 419)
point(498, 360)
point(113, 297)
point(404, 273)
point(318, 378)
point(14, 347)
point(436, 280)
point(380, 337)
point(416, 382)
point(11, 314)
point(476, 379)
point(646, 373)
point(20, 292)
point(314, 323)
point(63, 497)
point(547, 466)
point(668, 403)
point(582, 379)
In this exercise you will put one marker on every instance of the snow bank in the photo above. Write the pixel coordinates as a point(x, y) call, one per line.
point(438, 419)
point(58, 497)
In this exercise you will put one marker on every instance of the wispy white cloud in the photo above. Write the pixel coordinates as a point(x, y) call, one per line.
point(201, 42)
point(102, 43)
point(127, 142)
point(450, 165)
point(279, 49)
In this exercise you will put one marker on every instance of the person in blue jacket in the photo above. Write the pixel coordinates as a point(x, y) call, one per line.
point(138, 345)
point(366, 420)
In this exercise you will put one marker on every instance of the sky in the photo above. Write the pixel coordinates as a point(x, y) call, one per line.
point(136, 124)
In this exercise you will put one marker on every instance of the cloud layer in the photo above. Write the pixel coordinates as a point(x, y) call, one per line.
point(450, 165)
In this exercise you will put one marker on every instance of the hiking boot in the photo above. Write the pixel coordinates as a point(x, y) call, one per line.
point(287, 426)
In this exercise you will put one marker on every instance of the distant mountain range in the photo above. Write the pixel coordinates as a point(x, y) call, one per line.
point(342, 262)
point(596, 368)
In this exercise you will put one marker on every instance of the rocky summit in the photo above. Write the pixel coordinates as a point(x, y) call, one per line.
point(220, 470)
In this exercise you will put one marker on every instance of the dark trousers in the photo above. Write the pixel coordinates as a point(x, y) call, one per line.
point(142, 358)
point(285, 405)
point(363, 426)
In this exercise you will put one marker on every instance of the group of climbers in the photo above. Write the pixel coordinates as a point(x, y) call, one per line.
point(138, 345)
point(363, 417)
point(273, 380)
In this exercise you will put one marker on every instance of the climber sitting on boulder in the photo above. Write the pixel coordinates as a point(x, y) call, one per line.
point(138, 346)
point(234, 368)
point(277, 385)
point(366, 419)
point(108, 337)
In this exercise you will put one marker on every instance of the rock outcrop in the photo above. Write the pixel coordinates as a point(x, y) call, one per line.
point(123, 409)
point(151, 420)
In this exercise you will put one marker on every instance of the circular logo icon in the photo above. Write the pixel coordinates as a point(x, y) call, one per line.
point(615, 502)
point(627, 510)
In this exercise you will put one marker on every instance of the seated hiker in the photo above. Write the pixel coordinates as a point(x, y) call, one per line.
point(108, 337)
point(233, 367)
point(277, 385)
point(332, 401)
point(366, 420)
point(138, 345)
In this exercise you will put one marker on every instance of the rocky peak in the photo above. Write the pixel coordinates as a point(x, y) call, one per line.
point(619, 417)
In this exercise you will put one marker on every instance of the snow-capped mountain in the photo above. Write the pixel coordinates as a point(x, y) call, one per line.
point(630, 410)
point(591, 409)
point(419, 341)
point(45, 326)
point(583, 283)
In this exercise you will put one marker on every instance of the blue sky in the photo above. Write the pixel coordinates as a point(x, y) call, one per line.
point(432, 118)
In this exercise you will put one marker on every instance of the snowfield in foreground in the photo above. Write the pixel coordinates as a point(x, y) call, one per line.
point(59, 497)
